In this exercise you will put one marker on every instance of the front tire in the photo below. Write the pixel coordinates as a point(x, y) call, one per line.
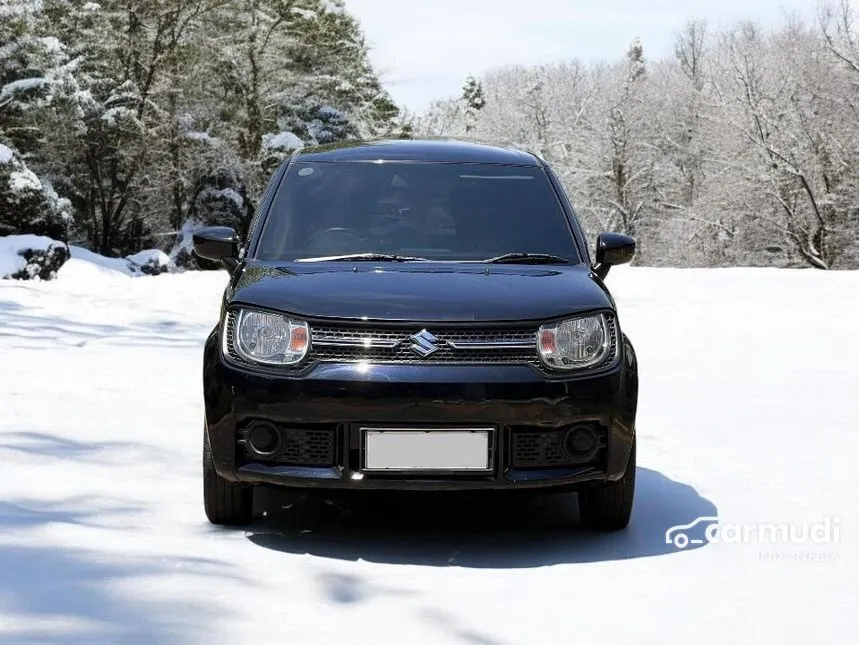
point(607, 507)
point(226, 503)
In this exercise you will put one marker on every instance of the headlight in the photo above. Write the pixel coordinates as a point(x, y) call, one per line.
point(575, 343)
point(268, 338)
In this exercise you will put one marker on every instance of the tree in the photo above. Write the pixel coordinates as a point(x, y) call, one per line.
point(135, 110)
point(799, 160)
point(289, 73)
point(26, 204)
point(740, 149)
point(628, 159)
point(34, 71)
point(473, 97)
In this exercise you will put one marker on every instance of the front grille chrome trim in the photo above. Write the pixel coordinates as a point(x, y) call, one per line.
point(329, 341)
point(492, 345)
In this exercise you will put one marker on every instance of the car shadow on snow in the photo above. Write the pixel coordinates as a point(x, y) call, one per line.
point(491, 530)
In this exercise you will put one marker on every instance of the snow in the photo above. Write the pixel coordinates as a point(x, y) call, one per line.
point(307, 14)
point(154, 256)
point(19, 10)
point(10, 247)
point(283, 140)
point(6, 154)
point(185, 237)
point(319, 131)
point(89, 265)
point(52, 44)
point(24, 180)
point(230, 195)
point(98, 264)
point(61, 205)
point(225, 194)
point(748, 411)
point(202, 137)
point(21, 85)
point(185, 122)
point(329, 112)
point(117, 114)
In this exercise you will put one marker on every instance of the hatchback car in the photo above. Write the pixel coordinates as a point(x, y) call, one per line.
point(418, 315)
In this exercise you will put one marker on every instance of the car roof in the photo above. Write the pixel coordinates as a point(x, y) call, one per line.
point(424, 150)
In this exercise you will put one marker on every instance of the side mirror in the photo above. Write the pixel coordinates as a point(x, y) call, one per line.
point(612, 249)
point(219, 244)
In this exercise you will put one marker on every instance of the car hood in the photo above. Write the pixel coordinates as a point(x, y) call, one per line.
point(419, 292)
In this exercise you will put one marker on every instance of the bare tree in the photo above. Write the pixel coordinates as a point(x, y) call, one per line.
point(740, 149)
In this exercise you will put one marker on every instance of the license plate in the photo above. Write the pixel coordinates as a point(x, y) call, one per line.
point(427, 450)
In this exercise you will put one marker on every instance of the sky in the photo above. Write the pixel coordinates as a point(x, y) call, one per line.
point(424, 49)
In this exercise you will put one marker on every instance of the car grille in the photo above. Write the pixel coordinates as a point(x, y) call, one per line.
point(394, 345)
point(533, 449)
point(310, 447)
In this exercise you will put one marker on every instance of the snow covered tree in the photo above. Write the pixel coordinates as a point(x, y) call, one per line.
point(26, 204)
point(280, 75)
point(630, 172)
point(136, 110)
point(444, 117)
point(108, 128)
point(34, 70)
point(696, 221)
point(741, 149)
point(473, 97)
point(297, 67)
point(801, 159)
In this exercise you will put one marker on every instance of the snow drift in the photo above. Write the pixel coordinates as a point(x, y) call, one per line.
point(26, 257)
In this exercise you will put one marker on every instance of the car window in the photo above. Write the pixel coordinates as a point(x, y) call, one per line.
point(439, 211)
point(257, 218)
point(584, 249)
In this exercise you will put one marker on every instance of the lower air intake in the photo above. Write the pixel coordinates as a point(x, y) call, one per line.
point(301, 447)
point(539, 448)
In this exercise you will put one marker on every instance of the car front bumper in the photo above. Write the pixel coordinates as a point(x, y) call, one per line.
point(339, 400)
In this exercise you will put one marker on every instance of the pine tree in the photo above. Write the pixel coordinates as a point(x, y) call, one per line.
point(34, 71)
point(473, 96)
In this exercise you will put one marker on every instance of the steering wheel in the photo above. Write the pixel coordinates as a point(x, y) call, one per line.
point(339, 230)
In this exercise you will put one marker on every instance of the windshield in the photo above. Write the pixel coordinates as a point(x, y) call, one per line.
point(434, 211)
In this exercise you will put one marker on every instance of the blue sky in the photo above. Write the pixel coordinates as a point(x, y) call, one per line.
point(425, 48)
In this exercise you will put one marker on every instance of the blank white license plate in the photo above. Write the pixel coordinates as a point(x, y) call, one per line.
point(395, 449)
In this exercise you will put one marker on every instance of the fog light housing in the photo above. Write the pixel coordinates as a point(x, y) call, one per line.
point(264, 439)
point(581, 443)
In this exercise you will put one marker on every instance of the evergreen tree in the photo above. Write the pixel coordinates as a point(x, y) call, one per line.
point(473, 97)
point(34, 71)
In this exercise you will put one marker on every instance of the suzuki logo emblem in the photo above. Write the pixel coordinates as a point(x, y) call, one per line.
point(424, 343)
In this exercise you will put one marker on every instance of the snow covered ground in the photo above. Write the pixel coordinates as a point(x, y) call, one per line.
point(748, 412)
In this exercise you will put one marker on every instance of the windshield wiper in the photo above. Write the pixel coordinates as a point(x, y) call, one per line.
point(363, 257)
point(526, 258)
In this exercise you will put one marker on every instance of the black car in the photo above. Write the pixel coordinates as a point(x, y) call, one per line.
point(418, 315)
